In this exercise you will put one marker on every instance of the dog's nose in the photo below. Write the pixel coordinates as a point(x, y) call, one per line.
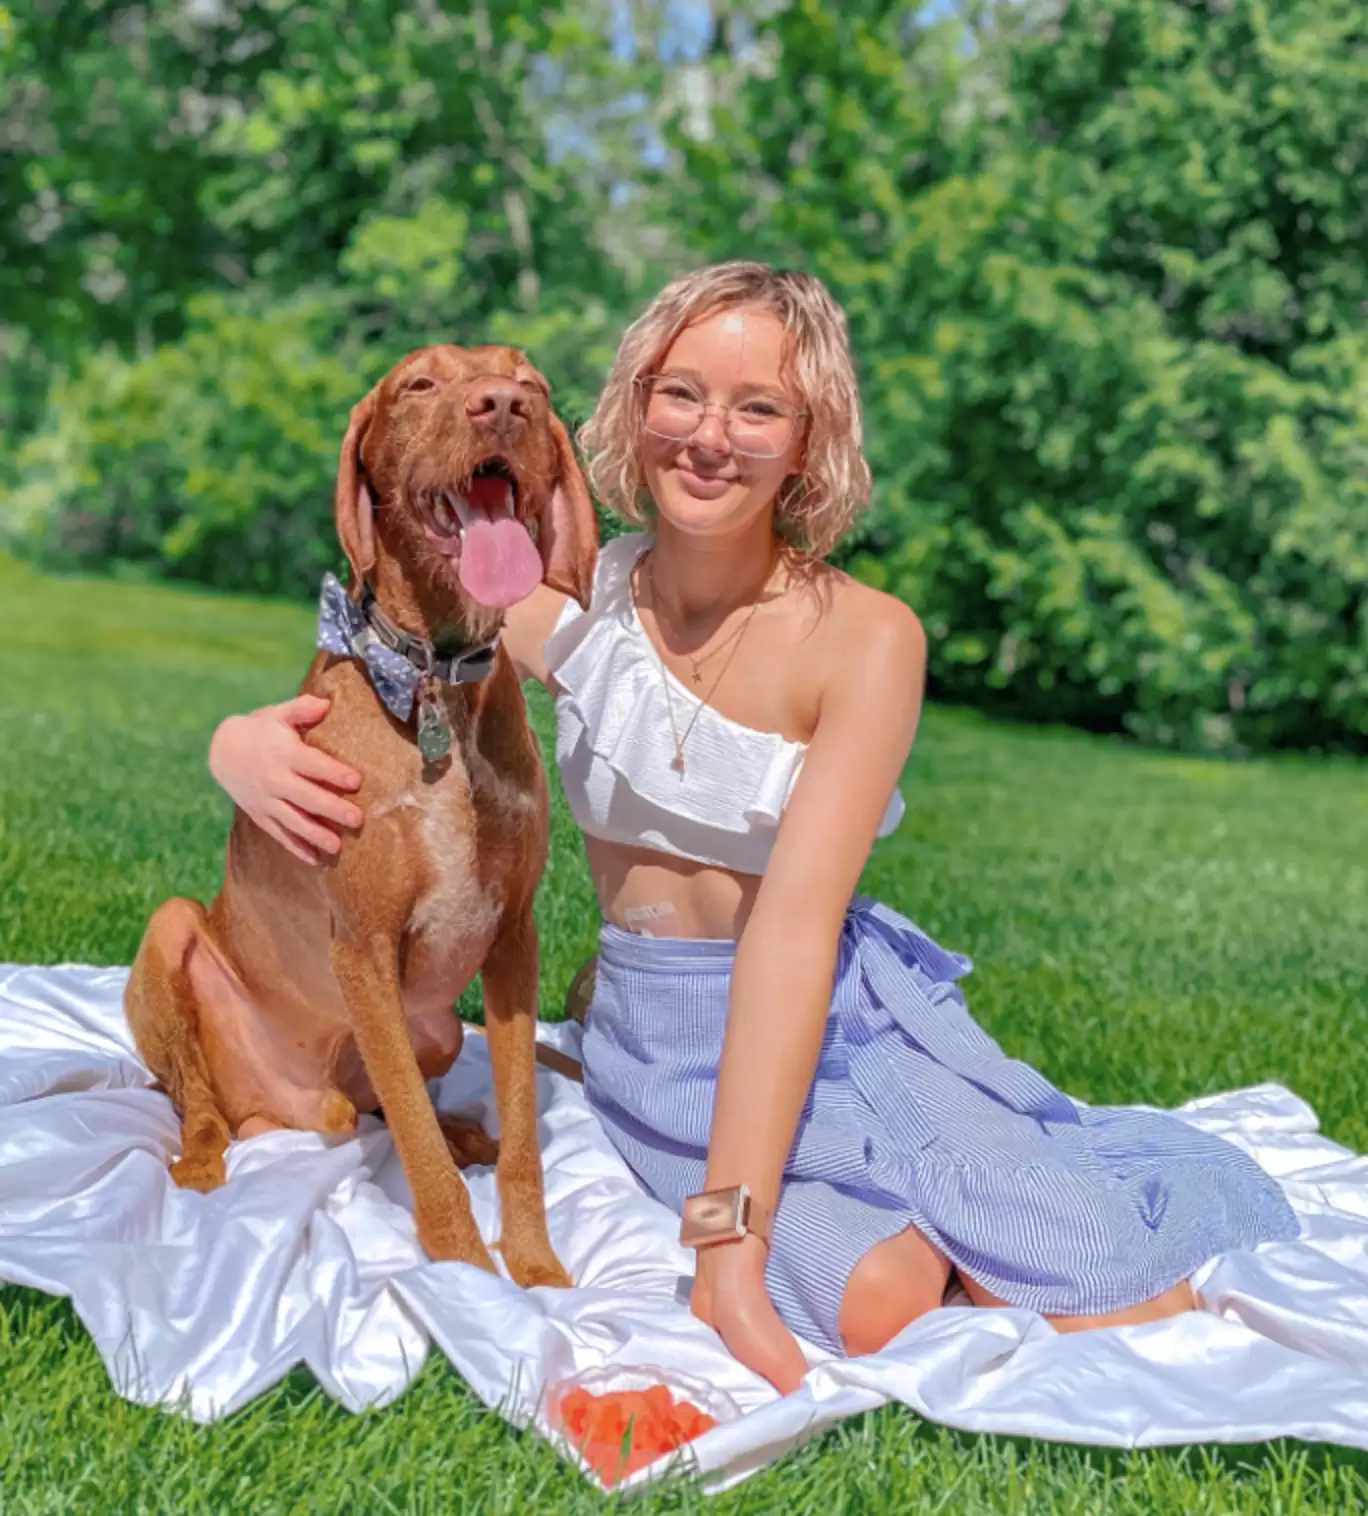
point(497, 403)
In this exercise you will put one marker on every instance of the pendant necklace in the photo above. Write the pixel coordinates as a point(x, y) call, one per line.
point(697, 663)
point(677, 762)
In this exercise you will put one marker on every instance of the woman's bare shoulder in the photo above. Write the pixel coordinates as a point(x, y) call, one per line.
point(853, 621)
point(849, 640)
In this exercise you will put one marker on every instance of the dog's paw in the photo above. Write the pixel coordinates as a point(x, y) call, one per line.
point(199, 1171)
point(337, 1114)
point(534, 1269)
point(468, 1143)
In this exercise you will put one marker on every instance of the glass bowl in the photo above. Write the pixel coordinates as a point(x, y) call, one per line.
point(607, 1378)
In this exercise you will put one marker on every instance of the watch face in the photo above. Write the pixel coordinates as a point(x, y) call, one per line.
point(711, 1217)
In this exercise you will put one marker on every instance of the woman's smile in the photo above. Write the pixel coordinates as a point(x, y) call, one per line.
point(732, 359)
point(703, 485)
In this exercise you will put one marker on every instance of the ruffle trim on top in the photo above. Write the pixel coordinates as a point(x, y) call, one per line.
point(613, 697)
point(613, 688)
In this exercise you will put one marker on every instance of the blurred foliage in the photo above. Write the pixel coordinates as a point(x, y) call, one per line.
point(1103, 261)
point(212, 456)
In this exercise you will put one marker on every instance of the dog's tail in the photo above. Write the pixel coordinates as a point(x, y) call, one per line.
point(159, 1002)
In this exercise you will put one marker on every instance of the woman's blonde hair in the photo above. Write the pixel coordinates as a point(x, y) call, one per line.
point(815, 507)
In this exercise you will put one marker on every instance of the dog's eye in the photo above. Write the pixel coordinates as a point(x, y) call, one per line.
point(420, 386)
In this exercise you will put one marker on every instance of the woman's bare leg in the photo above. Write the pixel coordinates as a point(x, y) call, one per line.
point(900, 1279)
point(907, 1276)
point(1173, 1302)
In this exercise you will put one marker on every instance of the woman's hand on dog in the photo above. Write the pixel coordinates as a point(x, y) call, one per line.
point(293, 792)
point(729, 1294)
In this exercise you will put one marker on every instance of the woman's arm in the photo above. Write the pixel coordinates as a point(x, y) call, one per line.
point(527, 626)
point(786, 958)
point(294, 792)
point(287, 787)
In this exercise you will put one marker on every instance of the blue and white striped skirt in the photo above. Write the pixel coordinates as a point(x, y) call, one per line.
point(916, 1117)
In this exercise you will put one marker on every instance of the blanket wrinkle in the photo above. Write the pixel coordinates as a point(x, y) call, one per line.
point(309, 1255)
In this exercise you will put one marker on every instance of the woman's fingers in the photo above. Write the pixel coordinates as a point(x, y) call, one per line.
point(291, 819)
point(729, 1294)
point(318, 801)
point(327, 770)
point(287, 787)
point(303, 711)
point(277, 833)
point(754, 1333)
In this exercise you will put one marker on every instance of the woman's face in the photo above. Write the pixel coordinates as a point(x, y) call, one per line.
point(734, 360)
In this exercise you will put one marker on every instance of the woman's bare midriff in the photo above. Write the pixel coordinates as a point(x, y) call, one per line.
point(644, 891)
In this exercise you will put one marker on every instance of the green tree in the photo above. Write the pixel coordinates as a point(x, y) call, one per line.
point(382, 178)
point(153, 151)
point(1105, 277)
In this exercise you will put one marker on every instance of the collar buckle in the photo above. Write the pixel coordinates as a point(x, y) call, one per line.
point(469, 666)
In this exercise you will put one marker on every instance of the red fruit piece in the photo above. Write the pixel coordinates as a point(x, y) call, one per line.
point(605, 1458)
point(575, 1410)
point(624, 1430)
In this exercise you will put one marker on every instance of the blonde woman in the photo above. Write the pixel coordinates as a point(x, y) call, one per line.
point(790, 1068)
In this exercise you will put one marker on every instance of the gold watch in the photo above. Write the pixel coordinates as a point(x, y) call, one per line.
point(717, 1216)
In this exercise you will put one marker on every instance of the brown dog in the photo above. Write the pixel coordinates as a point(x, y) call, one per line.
point(304, 995)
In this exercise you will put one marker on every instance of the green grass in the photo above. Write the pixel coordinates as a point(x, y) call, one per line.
point(1145, 927)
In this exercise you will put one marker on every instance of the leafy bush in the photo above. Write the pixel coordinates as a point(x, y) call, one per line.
point(213, 458)
point(226, 225)
point(1105, 523)
point(210, 459)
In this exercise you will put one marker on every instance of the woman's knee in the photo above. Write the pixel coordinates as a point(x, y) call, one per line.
point(895, 1282)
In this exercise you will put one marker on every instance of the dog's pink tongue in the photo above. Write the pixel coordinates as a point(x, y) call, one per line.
point(500, 564)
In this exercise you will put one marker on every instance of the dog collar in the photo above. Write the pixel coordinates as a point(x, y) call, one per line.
point(468, 666)
point(398, 664)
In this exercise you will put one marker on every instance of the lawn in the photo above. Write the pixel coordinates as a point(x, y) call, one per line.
point(1146, 928)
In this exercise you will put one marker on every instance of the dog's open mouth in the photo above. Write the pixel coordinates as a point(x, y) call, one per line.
point(475, 526)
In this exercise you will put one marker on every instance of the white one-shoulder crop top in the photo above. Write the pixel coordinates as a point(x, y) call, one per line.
point(614, 743)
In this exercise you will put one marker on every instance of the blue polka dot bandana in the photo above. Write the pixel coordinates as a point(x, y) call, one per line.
point(344, 631)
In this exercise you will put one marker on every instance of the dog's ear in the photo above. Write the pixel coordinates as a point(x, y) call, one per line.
point(567, 531)
point(352, 507)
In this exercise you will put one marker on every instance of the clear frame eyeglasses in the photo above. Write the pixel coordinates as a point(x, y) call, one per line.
point(758, 428)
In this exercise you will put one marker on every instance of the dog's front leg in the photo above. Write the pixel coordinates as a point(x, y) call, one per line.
point(367, 971)
point(510, 996)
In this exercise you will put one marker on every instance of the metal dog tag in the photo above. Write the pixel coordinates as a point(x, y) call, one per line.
point(434, 730)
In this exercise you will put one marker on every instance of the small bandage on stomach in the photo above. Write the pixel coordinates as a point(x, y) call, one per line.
point(636, 917)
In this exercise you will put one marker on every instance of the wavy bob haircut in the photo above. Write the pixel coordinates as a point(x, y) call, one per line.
point(815, 507)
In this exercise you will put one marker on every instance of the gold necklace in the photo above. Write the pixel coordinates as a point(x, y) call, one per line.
point(697, 663)
point(677, 762)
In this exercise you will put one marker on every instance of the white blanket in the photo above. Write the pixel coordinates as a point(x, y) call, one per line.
point(308, 1255)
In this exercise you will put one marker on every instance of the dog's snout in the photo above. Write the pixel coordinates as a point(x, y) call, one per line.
point(498, 404)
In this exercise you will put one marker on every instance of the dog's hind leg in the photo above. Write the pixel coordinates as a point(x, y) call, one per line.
point(160, 1004)
point(510, 994)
